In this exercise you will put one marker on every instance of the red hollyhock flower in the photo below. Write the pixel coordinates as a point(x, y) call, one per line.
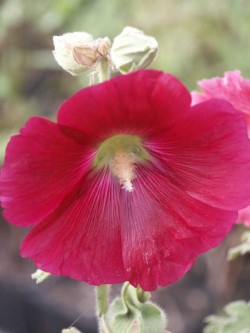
point(236, 90)
point(130, 184)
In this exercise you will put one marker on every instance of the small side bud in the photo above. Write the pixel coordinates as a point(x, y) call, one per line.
point(133, 313)
point(132, 50)
point(241, 249)
point(71, 330)
point(40, 276)
point(78, 52)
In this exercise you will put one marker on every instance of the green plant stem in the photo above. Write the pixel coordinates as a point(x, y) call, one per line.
point(103, 70)
point(102, 299)
point(102, 292)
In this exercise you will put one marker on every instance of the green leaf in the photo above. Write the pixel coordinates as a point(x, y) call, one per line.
point(235, 318)
point(241, 249)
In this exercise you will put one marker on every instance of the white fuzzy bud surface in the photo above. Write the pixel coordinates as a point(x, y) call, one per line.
point(132, 50)
point(78, 52)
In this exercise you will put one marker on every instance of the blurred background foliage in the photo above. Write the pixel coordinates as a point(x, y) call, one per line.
point(197, 39)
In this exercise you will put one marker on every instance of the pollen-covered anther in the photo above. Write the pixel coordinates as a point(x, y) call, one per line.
point(123, 167)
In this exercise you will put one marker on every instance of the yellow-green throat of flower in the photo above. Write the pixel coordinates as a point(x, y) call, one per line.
point(121, 153)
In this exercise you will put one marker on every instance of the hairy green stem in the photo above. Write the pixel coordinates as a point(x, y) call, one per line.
point(102, 292)
point(102, 299)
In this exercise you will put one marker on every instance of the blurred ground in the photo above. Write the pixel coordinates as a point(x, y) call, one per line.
point(55, 304)
point(197, 39)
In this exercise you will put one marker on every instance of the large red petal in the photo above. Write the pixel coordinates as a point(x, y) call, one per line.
point(42, 165)
point(140, 103)
point(164, 230)
point(207, 155)
point(82, 239)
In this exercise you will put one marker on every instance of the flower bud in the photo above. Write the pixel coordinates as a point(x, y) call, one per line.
point(77, 52)
point(133, 313)
point(132, 50)
point(70, 330)
point(40, 276)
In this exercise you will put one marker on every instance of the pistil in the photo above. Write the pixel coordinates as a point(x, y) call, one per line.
point(121, 153)
point(123, 167)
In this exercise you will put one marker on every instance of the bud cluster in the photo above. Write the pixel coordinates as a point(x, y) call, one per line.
point(78, 52)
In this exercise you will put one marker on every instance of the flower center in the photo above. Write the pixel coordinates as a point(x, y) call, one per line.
point(121, 153)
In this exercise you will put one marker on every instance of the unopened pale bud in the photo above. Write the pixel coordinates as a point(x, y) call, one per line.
point(133, 313)
point(70, 330)
point(39, 276)
point(132, 50)
point(78, 52)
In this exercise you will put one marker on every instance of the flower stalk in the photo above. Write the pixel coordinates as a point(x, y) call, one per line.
point(102, 70)
point(102, 291)
point(102, 299)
